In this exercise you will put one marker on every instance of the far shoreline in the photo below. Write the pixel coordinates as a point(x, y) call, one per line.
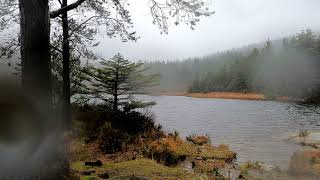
point(229, 95)
point(215, 95)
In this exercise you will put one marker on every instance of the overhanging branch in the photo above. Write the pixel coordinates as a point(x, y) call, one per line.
point(58, 12)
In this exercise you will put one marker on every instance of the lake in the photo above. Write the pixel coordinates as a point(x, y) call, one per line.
point(256, 130)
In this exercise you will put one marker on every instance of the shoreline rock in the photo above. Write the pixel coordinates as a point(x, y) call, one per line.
point(310, 138)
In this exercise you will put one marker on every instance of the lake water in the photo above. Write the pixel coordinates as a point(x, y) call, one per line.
point(256, 130)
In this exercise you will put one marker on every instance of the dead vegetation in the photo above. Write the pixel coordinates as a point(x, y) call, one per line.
point(154, 159)
point(145, 151)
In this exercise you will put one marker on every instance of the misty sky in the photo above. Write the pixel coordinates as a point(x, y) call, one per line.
point(236, 23)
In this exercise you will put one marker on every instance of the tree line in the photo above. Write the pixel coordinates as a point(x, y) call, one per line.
point(287, 67)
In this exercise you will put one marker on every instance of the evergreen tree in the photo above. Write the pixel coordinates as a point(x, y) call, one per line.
point(117, 80)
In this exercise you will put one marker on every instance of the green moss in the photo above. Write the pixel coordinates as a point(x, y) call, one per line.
point(88, 178)
point(139, 167)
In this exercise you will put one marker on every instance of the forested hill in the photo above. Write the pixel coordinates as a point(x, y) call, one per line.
point(178, 75)
point(283, 67)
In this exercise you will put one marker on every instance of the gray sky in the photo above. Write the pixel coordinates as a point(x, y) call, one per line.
point(236, 23)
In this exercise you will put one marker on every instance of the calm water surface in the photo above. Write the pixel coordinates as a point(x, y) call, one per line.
point(257, 130)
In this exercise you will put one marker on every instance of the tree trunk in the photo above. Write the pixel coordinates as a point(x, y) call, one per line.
point(35, 55)
point(115, 93)
point(115, 102)
point(36, 81)
point(66, 111)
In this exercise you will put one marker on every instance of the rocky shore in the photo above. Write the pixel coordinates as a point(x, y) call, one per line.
point(194, 158)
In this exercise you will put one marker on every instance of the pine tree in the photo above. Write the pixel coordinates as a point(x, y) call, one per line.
point(117, 80)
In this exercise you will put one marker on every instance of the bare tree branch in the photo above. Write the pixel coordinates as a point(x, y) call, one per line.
point(58, 12)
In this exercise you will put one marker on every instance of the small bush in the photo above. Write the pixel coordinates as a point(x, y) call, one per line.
point(113, 130)
point(88, 119)
point(133, 122)
point(223, 147)
point(79, 151)
point(169, 150)
point(198, 139)
point(207, 151)
point(208, 166)
point(111, 140)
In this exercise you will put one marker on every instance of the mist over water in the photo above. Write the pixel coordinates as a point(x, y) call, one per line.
point(286, 71)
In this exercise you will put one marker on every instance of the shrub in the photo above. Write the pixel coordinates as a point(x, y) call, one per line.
point(133, 122)
point(88, 118)
point(169, 150)
point(207, 151)
point(223, 147)
point(111, 140)
point(198, 139)
point(208, 166)
point(113, 130)
point(82, 152)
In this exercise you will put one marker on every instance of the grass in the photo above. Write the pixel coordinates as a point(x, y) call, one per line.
point(139, 167)
point(167, 152)
point(179, 147)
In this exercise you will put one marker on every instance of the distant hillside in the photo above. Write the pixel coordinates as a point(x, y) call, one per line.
point(177, 76)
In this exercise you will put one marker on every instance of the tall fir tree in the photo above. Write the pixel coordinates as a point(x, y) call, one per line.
point(117, 80)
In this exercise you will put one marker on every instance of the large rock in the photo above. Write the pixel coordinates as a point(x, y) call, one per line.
point(97, 163)
point(104, 175)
